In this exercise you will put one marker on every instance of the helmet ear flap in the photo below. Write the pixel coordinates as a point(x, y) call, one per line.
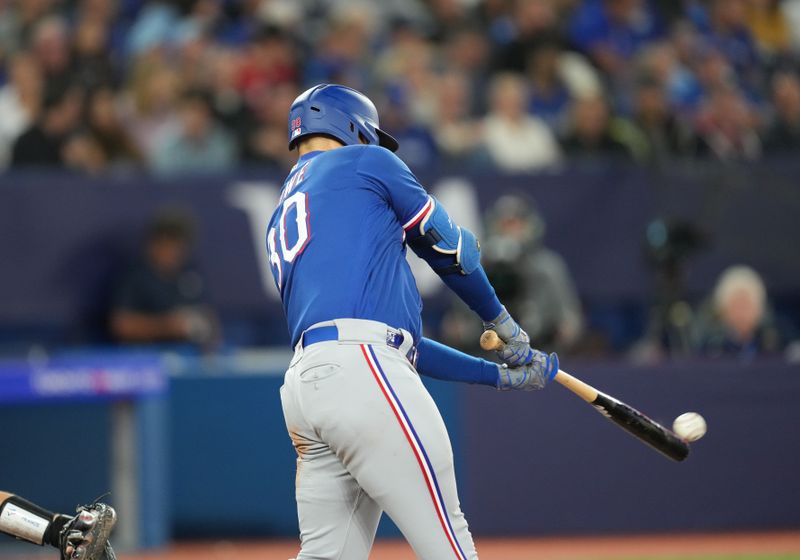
point(361, 136)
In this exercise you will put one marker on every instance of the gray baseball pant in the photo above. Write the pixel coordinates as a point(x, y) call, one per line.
point(369, 439)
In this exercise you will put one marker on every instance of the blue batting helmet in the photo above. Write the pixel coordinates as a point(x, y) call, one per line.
point(340, 112)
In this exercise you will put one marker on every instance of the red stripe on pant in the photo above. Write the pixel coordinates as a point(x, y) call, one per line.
point(396, 412)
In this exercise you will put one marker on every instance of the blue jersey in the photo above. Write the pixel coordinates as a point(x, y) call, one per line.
point(336, 241)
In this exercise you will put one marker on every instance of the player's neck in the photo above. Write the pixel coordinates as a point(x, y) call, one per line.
point(317, 144)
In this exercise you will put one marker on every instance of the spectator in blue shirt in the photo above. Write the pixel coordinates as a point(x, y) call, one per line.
point(549, 95)
point(612, 31)
point(727, 31)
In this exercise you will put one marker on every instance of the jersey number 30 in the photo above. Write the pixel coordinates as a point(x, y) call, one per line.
point(277, 240)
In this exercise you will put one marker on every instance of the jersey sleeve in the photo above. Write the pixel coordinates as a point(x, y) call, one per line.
point(394, 181)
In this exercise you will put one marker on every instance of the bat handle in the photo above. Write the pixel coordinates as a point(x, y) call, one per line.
point(491, 341)
point(583, 390)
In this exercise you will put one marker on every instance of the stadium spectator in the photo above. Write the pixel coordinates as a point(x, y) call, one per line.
point(198, 145)
point(50, 45)
point(154, 27)
point(612, 31)
point(550, 96)
point(117, 147)
point(592, 133)
point(769, 27)
point(41, 145)
point(343, 49)
point(160, 298)
point(791, 11)
point(200, 19)
point(467, 52)
point(150, 108)
point(267, 61)
point(737, 320)
point(556, 78)
point(407, 67)
point(515, 140)
point(656, 134)
point(20, 102)
point(418, 147)
point(457, 134)
point(110, 12)
point(727, 31)
point(192, 61)
point(92, 66)
point(266, 137)
point(663, 64)
point(783, 136)
point(447, 16)
point(528, 21)
point(227, 102)
point(83, 154)
point(726, 128)
point(714, 72)
point(17, 23)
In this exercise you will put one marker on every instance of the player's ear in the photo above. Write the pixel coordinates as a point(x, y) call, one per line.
point(362, 138)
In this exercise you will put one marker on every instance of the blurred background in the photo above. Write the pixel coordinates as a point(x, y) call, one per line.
point(630, 167)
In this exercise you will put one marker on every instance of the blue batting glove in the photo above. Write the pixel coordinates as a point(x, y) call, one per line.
point(517, 350)
point(530, 377)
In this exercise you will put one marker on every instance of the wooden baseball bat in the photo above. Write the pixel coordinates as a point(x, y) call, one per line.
point(626, 417)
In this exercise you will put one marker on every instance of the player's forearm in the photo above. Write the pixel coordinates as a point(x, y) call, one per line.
point(448, 364)
point(475, 290)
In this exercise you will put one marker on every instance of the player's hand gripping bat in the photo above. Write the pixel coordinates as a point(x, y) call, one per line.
point(626, 417)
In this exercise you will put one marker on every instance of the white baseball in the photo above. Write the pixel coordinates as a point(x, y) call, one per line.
point(690, 426)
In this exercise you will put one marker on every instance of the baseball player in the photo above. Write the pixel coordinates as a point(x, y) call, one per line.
point(368, 436)
point(83, 536)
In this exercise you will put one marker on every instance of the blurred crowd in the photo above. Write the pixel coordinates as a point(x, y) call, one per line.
point(177, 86)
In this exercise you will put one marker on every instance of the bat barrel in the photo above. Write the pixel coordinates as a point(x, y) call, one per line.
point(640, 426)
point(626, 417)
